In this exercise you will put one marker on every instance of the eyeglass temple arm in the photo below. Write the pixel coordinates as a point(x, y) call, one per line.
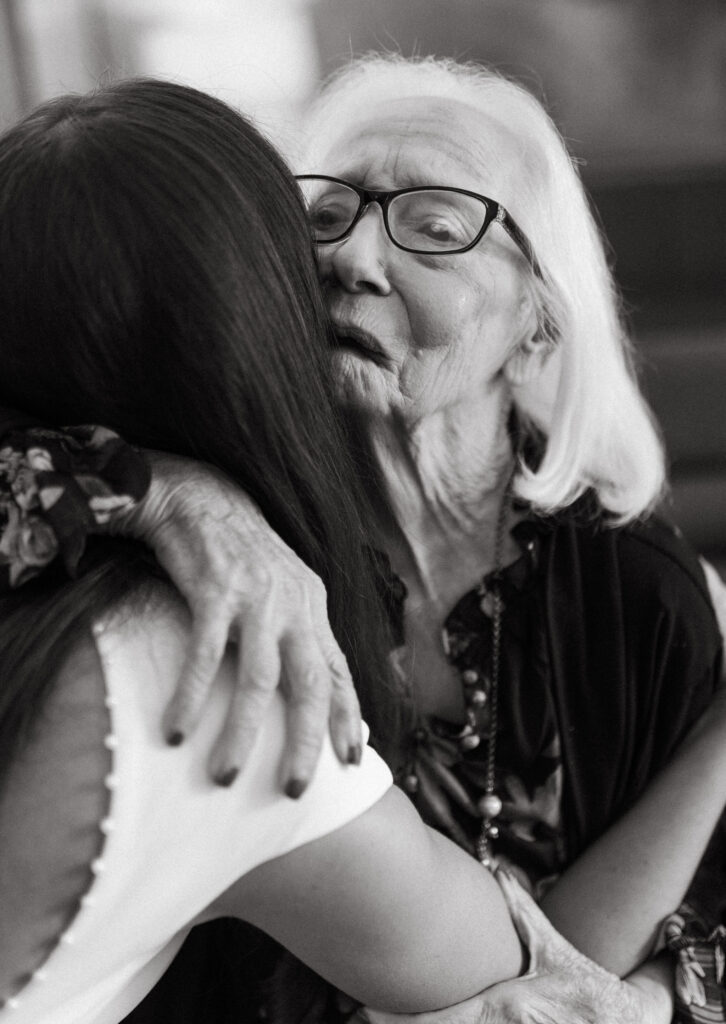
point(519, 237)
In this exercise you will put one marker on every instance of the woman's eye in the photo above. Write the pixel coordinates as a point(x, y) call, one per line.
point(441, 230)
point(430, 222)
point(327, 216)
point(436, 230)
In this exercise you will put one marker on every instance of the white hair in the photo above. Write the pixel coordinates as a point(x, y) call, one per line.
point(599, 431)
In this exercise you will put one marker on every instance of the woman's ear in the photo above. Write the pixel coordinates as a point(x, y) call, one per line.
point(528, 359)
point(535, 346)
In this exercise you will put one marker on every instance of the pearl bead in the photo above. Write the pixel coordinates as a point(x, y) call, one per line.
point(470, 742)
point(490, 805)
point(483, 854)
point(478, 698)
point(470, 676)
point(492, 832)
point(410, 783)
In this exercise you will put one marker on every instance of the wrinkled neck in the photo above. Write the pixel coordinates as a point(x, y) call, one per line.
point(440, 486)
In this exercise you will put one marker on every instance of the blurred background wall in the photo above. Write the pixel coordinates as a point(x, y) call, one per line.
point(637, 86)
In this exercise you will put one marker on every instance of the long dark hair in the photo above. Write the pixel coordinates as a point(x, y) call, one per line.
point(156, 276)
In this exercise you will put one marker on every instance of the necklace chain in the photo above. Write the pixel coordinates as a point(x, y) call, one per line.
point(470, 737)
point(491, 804)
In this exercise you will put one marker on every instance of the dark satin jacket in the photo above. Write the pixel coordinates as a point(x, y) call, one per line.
point(635, 652)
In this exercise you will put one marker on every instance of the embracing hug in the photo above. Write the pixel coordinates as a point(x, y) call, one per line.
point(347, 670)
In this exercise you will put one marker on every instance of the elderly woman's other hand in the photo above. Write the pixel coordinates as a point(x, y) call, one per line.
point(561, 986)
point(243, 583)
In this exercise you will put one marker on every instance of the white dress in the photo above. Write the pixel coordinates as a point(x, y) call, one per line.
point(171, 841)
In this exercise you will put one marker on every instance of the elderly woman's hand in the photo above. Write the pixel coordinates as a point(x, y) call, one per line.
point(561, 986)
point(243, 583)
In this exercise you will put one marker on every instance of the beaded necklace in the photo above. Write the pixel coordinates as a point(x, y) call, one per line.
point(471, 735)
point(491, 804)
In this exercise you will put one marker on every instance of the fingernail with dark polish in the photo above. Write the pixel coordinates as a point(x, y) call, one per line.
point(176, 738)
point(295, 788)
point(354, 753)
point(226, 778)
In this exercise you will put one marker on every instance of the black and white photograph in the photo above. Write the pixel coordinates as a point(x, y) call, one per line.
point(362, 511)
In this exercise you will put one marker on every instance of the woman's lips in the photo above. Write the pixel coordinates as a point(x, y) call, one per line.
point(359, 341)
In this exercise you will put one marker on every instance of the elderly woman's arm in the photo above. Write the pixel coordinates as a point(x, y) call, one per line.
point(214, 544)
point(560, 985)
point(647, 867)
point(611, 901)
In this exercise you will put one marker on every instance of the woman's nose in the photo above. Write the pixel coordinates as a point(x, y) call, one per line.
point(359, 262)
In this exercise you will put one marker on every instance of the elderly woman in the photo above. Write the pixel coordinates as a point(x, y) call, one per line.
point(553, 642)
point(551, 636)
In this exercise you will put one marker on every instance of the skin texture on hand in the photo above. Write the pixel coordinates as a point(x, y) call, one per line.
point(561, 986)
point(244, 585)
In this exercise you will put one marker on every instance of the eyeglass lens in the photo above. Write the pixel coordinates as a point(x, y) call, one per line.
point(432, 220)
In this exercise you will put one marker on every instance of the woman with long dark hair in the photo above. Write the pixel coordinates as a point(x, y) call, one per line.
point(157, 277)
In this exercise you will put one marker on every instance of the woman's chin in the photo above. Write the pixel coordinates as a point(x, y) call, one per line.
point(361, 385)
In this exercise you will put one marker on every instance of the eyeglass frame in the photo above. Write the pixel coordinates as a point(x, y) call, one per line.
point(495, 213)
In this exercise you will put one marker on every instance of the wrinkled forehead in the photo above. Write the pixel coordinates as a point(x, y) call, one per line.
point(425, 140)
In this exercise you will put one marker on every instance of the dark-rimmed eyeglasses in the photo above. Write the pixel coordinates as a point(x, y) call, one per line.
point(427, 220)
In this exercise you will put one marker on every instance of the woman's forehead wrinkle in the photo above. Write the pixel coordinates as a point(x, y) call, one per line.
point(411, 140)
